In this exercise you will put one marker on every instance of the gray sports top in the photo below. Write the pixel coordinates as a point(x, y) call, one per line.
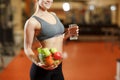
point(49, 30)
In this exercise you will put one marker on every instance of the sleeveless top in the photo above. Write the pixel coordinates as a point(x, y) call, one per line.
point(49, 30)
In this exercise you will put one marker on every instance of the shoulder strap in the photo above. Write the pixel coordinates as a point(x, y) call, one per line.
point(38, 19)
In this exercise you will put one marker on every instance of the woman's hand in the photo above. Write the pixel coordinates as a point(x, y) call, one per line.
point(71, 31)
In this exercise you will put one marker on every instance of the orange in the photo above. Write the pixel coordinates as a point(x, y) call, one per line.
point(49, 60)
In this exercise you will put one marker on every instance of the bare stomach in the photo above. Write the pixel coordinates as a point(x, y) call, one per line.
point(55, 42)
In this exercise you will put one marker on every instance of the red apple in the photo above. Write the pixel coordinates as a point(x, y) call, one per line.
point(57, 56)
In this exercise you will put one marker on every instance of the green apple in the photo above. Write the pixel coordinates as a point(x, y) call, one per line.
point(39, 50)
point(53, 50)
point(46, 52)
point(56, 62)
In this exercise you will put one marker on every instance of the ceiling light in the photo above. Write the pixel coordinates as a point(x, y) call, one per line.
point(66, 6)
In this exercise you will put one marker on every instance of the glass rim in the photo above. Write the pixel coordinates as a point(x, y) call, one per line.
point(70, 25)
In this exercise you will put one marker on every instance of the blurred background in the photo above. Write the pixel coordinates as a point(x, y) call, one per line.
point(98, 20)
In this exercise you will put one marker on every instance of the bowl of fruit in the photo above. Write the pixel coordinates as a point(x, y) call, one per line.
point(49, 57)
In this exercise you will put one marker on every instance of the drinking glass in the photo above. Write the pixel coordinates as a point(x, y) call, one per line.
point(73, 30)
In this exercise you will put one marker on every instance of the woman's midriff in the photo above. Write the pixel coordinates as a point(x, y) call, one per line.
point(55, 42)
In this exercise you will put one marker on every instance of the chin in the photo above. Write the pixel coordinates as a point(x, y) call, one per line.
point(47, 7)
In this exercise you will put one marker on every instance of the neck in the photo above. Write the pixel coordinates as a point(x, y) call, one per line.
point(41, 11)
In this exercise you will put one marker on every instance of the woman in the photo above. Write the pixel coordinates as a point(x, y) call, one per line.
point(48, 30)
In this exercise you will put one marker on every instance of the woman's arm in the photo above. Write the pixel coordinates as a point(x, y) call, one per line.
point(66, 34)
point(29, 31)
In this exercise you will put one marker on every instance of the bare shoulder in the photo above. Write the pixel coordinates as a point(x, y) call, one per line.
point(32, 23)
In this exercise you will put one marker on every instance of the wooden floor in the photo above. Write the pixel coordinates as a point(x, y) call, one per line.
point(86, 61)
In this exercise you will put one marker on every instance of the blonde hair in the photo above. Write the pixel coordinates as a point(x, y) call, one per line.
point(36, 7)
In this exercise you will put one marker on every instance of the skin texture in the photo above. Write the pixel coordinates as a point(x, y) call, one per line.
point(33, 27)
